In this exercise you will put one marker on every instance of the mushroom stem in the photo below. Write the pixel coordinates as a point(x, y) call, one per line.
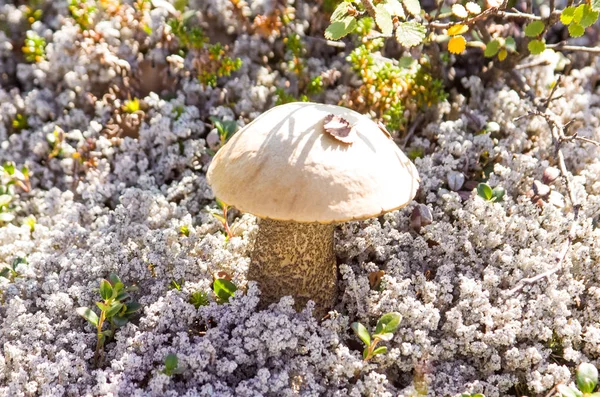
point(296, 259)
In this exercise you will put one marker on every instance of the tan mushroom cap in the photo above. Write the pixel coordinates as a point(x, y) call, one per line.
point(284, 166)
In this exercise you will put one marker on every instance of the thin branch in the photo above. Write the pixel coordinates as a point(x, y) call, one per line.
point(331, 43)
point(369, 7)
point(563, 47)
point(490, 11)
point(538, 62)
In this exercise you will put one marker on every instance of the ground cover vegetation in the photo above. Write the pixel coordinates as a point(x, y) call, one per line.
point(122, 274)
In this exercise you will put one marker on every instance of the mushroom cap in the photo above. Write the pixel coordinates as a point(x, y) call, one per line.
point(285, 166)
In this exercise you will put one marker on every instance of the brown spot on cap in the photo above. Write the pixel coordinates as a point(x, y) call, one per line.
point(339, 128)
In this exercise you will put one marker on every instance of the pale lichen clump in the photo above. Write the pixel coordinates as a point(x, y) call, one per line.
point(122, 205)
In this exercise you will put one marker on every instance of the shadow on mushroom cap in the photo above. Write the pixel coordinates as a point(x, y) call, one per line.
point(284, 166)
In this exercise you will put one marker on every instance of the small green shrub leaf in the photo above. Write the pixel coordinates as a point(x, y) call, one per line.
point(380, 350)
point(498, 193)
point(5, 272)
point(394, 7)
point(361, 332)
point(412, 6)
point(589, 16)
point(5, 199)
point(388, 323)
point(586, 377)
point(578, 14)
point(171, 363)
point(114, 279)
point(106, 290)
point(119, 321)
point(131, 308)
point(566, 391)
point(510, 44)
point(536, 47)
point(534, 28)
point(491, 48)
point(88, 314)
point(410, 34)
point(102, 306)
point(576, 30)
point(340, 12)
point(384, 20)
point(484, 191)
point(386, 336)
point(339, 29)
point(114, 309)
point(596, 5)
point(566, 16)
point(224, 289)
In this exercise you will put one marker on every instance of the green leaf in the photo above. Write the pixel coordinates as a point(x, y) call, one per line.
point(224, 289)
point(596, 5)
point(576, 30)
point(384, 20)
point(5, 199)
point(122, 296)
point(410, 34)
point(339, 29)
point(536, 47)
point(484, 191)
point(566, 391)
point(498, 193)
point(566, 16)
point(132, 307)
point(6, 217)
point(171, 362)
point(394, 7)
point(102, 306)
point(491, 48)
point(589, 17)
point(340, 12)
point(380, 350)
point(88, 314)
point(361, 332)
point(114, 279)
point(9, 167)
point(412, 6)
point(114, 309)
point(5, 272)
point(578, 14)
point(385, 336)
point(534, 28)
point(106, 290)
point(365, 353)
point(119, 321)
point(586, 377)
point(388, 323)
point(510, 44)
point(108, 333)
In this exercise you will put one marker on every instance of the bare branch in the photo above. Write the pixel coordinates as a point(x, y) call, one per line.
point(563, 47)
point(369, 7)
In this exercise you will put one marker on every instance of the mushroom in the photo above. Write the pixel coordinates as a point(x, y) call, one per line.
point(303, 167)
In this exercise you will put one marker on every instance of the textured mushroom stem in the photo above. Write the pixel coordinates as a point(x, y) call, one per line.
point(295, 259)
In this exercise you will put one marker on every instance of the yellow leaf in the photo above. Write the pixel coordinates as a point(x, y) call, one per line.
point(457, 29)
point(502, 55)
point(457, 44)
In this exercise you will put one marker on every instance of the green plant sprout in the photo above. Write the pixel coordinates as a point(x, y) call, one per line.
point(55, 140)
point(10, 177)
point(488, 194)
point(586, 379)
point(211, 60)
point(10, 272)
point(116, 307)
point(20, 123)
point(34, 49)
point(225, 128)
point(184, 231)
point(222, 218)
point(172, 365)
point(384, 331)
point(199, 298)
point(83, 12)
